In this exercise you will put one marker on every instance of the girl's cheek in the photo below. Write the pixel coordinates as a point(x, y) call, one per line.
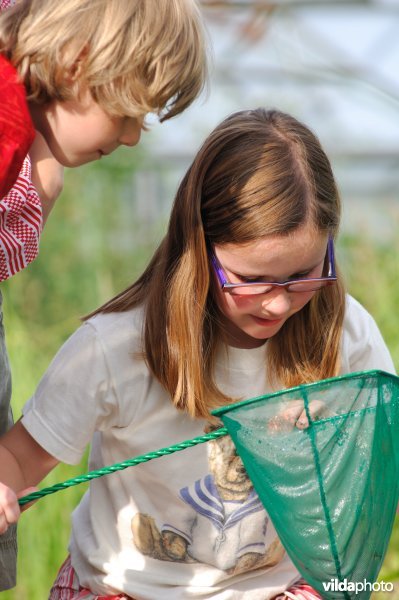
point(236, 304)
point(242, 304)
point(303, 299)
point(245, 301)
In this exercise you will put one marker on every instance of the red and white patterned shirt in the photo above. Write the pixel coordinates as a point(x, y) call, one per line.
point(21, 218)
point(20, 224)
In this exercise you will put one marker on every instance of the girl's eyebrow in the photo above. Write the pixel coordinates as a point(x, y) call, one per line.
point(268, 278)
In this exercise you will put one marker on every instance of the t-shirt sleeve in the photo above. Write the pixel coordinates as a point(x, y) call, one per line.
point(75, 397)
point(363, 345)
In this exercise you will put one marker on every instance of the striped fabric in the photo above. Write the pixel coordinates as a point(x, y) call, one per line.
point(20, 207)
point(299, 591)
point(20, 224)
point(66, 587)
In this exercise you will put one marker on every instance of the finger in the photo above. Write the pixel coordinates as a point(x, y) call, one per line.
point(316, 410)
point(292, 411)
point(3, 523)
point(279, 423)
point(286, 418)
point(302, 421)
point(10, 510)
point(25, 492)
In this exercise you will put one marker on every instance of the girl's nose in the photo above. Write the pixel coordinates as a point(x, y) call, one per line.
point(276, 303)
point(131, 132)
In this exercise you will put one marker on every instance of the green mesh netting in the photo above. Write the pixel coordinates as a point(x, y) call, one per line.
point(331, 489)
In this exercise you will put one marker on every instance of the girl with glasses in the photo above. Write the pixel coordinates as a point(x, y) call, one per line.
point(242, 297)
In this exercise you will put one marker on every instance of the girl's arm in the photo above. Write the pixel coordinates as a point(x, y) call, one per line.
point(23, 464)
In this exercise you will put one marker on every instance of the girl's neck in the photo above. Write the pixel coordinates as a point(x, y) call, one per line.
point(236, 338)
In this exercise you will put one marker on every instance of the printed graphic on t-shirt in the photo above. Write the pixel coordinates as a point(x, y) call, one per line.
point(223, 525)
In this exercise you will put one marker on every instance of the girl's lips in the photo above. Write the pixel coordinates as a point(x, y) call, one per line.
point(266, 322)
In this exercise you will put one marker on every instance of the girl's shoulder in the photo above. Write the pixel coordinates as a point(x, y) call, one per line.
point(358, 322)
point(363, 346)
point(355, 310)
point(118, 329)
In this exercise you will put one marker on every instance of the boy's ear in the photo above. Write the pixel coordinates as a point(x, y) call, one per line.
point(75, 72)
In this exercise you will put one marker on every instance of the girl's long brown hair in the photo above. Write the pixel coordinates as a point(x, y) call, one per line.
point(259, 173)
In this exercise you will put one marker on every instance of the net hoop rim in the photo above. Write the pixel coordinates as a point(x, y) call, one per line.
point(308, 386)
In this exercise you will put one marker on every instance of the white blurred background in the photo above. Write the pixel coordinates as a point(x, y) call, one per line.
point(332, 64)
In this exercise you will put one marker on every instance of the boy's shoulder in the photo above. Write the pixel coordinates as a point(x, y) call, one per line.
point(16, 127)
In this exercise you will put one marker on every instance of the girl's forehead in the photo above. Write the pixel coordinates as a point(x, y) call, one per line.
point(303, 248)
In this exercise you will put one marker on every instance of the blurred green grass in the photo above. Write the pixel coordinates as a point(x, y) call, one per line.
point(92, 247)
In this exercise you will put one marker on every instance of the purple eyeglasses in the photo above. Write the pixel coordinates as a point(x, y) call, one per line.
point(305, 284)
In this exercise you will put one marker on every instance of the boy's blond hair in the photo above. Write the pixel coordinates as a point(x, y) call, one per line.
point(135, 56)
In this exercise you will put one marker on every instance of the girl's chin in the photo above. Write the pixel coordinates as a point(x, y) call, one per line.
point(267, 322)
point(263, 330)
point(252, 333)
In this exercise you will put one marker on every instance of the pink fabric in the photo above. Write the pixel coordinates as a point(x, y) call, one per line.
point(299, 591)
point(67, 587)
point(6, 4)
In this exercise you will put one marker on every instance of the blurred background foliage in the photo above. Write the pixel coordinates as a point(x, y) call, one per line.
point(94, 246)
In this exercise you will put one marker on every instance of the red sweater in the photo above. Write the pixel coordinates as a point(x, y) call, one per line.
point(16, 128)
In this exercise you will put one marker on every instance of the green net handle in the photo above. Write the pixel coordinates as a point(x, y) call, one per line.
point(123, 465)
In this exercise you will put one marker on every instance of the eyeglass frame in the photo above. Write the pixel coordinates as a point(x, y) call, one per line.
point(330, 279)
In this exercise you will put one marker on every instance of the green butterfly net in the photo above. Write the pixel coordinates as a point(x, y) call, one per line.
point(331, 489)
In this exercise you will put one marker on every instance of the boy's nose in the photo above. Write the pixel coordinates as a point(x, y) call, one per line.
point(131, 133)
point(277, 303)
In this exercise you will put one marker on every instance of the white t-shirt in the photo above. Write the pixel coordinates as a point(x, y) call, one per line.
point(187, 525)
